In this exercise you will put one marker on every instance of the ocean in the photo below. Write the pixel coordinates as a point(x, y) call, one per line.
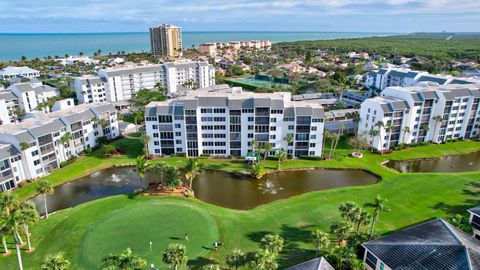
point(14, 46)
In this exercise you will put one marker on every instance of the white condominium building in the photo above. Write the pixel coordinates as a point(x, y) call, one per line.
point(42, 142)
point(32, 94)
point(166, 40)
point(90, 89)
point(11, 167)
point(18, 72)
point(8, 107)
point(425, 112)
point(386, 77)
point(223, 121)
point(122, 83)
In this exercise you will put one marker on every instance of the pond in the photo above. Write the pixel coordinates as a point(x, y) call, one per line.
point(448, 164)
point(219, 188)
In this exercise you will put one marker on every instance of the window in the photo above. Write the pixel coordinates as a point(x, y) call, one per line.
point(178, 134)
point(273, 137)
point(178, 141)
point(164, 118)
point(314, 128)
point(154, 126)
point(250, 119)
point(250, 135)
point(273, 128)
point(219, 110)
point(291, 127)
point(273, 120)
point(312, 144)
point(35, 153)
point(178, 125)
point(36, 162)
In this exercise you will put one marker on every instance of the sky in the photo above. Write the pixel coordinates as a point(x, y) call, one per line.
point(391, 16)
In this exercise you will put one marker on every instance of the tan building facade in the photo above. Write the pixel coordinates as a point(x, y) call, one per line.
point(166, 40)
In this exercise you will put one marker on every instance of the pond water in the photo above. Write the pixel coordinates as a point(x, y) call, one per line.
point(213, 187)
point(453, 163)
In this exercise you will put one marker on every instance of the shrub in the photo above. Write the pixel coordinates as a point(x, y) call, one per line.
point(109, 149)
point(204, 156)
point(180, 154)
point(21, 184)
point(311, 157)
point(68, 162)
point(89, 150)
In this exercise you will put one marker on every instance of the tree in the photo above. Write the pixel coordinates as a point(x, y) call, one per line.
point(378, 206)
point(175, 255)
point(8, 202)
point(341, 229)
point(28, 215)
point(4, 231)
point(335, 138)
point(288, 139)
point(273, 243)
point(380, 125)
point(321, 241)
point(137, 118)
point(264, 260)
point(172, 176)
point(389, 129)
point(358, 143)
point(123, 261)
point(145, 139)
point(235, 259)
point(109, 149)
point(45, 188)
point(257, 169)
point(438, 119)
point(374, 133)
point(141, 166)
point(405, 131)
point(268, 148)
point(281, 156)
point(236, 70)
point(55, 262)
point(192, 168)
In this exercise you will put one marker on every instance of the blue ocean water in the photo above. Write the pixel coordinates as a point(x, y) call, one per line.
point(14, 46)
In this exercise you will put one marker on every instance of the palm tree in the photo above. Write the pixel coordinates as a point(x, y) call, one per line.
point(373, 133)
point(348, 210)
point(254, 145)
point(65, 140)
point(235, 259)
point(288, 139)
point(378, 206)
point(425, 129)
point(8, 202)
point(4, 230)
point(326, 135)
point(24, 146)
point(45, 188)
point(175, 255)
point(272, 243)
point(341, 128)
point(380, 125)
point(335, 138)
point(437, 119)
point(141, 166)
point(281, 157)
point(145, 139)
point(123, 261)
point(137, 117)
point(192, 168)
point(268, 148)
point(172, 176)
point(55, 262)
point(28, 215)
point(405, 131)
point(389, 129)
point(264, 260)
point(321, 241)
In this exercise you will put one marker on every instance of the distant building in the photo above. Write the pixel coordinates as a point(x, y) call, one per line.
point(70, 60)
point(166, 40)
point(11, 72)
point(412, 113)
point(124, 82)
point(209, 49)
point(404, 77)
point(223, 121)
point(433, 245)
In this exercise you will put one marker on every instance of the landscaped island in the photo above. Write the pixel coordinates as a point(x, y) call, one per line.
point(92, 230)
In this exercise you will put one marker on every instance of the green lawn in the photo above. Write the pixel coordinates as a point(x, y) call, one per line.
point(92, 230)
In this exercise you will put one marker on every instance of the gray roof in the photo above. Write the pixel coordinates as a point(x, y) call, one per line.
point(7, 95)
point(394, 105)
point(459, 81)
point(400, 74)
point(151, 111)
point(25, 137)
point(433, 79)
point(314, 264)
point(475, 210)
point(47, 128)
point(212, 101)
point(153, 68)
point(8, 151)
point(81, 116)
point(431, 245)
point(456, 93)
point(289, 112)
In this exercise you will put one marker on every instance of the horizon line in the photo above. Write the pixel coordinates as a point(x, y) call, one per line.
point(218, 31)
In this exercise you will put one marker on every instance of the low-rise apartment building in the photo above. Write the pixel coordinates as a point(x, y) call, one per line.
point(425, 112)
point(118, 84)
point(90, 89)
point(223, 121)
point(32, 94)
point(42, 139)
point(11, 72)
point(475, 221)
point(404, 77)
point(11, 168)
point(8, 107)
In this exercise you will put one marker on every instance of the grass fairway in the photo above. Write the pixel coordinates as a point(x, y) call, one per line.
point(92, 230)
